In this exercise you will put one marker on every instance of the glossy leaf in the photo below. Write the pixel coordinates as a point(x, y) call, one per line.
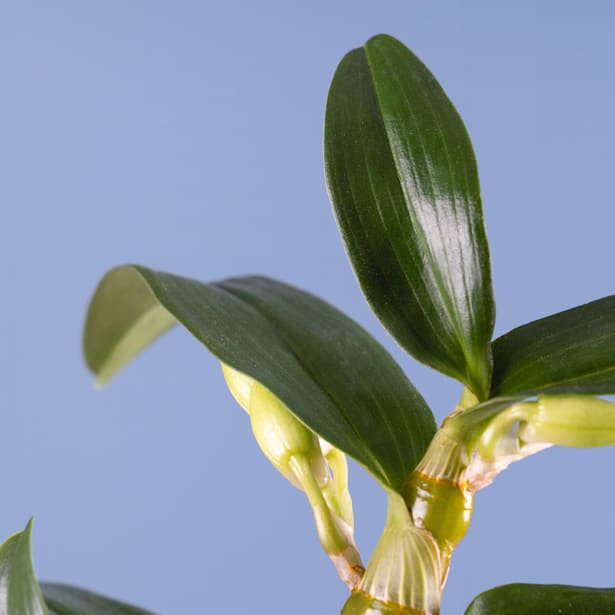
point(526, 599)
point(19, 590)
point(403, 181)
point(569, 352)
point(329, 371)
point(67, 600)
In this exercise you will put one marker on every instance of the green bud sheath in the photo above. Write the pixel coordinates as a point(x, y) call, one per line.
point(441, 508)
point(295, 451)
point(437, 496)
point(280, 435)
point(239, 385)
point(404, 573)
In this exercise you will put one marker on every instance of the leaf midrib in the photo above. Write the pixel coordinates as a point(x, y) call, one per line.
point(417, 228)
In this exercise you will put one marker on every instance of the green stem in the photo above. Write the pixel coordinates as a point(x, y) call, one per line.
point(336, 491)
point(330, 537)
point(334, 534)
point(397, 512)
point(437, 497)
point(404, 573)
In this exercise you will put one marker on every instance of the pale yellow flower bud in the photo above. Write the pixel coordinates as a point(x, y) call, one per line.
point(295, 451)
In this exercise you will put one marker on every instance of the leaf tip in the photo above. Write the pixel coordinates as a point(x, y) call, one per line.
point(381, 37)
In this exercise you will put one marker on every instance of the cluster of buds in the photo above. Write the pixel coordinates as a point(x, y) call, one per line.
point(408, 568)
point(309, 463)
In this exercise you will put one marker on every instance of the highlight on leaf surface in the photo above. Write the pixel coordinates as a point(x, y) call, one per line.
point(569, 352)
point(403, 182)
point(327, 370)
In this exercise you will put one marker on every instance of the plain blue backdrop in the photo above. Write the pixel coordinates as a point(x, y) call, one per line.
point(187, 136)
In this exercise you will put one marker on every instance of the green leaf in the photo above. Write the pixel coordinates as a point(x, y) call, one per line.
point(19, 590)
point(20, 593)
point(67, 600)
point(330, 372)
point(403, 181)
point(569, 352)
point(526, 599)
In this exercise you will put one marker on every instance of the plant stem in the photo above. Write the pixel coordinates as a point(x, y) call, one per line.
point(438, 498)
point(404, 572)
point(334, 533)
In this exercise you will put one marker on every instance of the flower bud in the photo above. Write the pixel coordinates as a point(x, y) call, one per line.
point(278, 433)
point(282, 437)
point(525, 428)
point(578, 421)
point(239, 385)
point(295, 451)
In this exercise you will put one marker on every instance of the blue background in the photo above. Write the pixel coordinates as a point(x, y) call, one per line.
point(187, 136)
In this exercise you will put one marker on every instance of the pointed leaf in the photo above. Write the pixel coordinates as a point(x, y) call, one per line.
point(20, 593)
point(19, 590)
point(569, 352)
point(526, 599)
point(403, 181)
point(67, 600)
point(329, 371)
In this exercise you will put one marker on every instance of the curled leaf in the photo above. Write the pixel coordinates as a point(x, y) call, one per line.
point(331, 374)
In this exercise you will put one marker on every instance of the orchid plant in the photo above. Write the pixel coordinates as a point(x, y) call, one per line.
point(403, 182)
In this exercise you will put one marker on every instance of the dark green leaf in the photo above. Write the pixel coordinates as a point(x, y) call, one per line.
point(525, 599)
point(19, 590)
point(66, 600)
point(330, 372)
point(403, 182)
point(568, 352)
